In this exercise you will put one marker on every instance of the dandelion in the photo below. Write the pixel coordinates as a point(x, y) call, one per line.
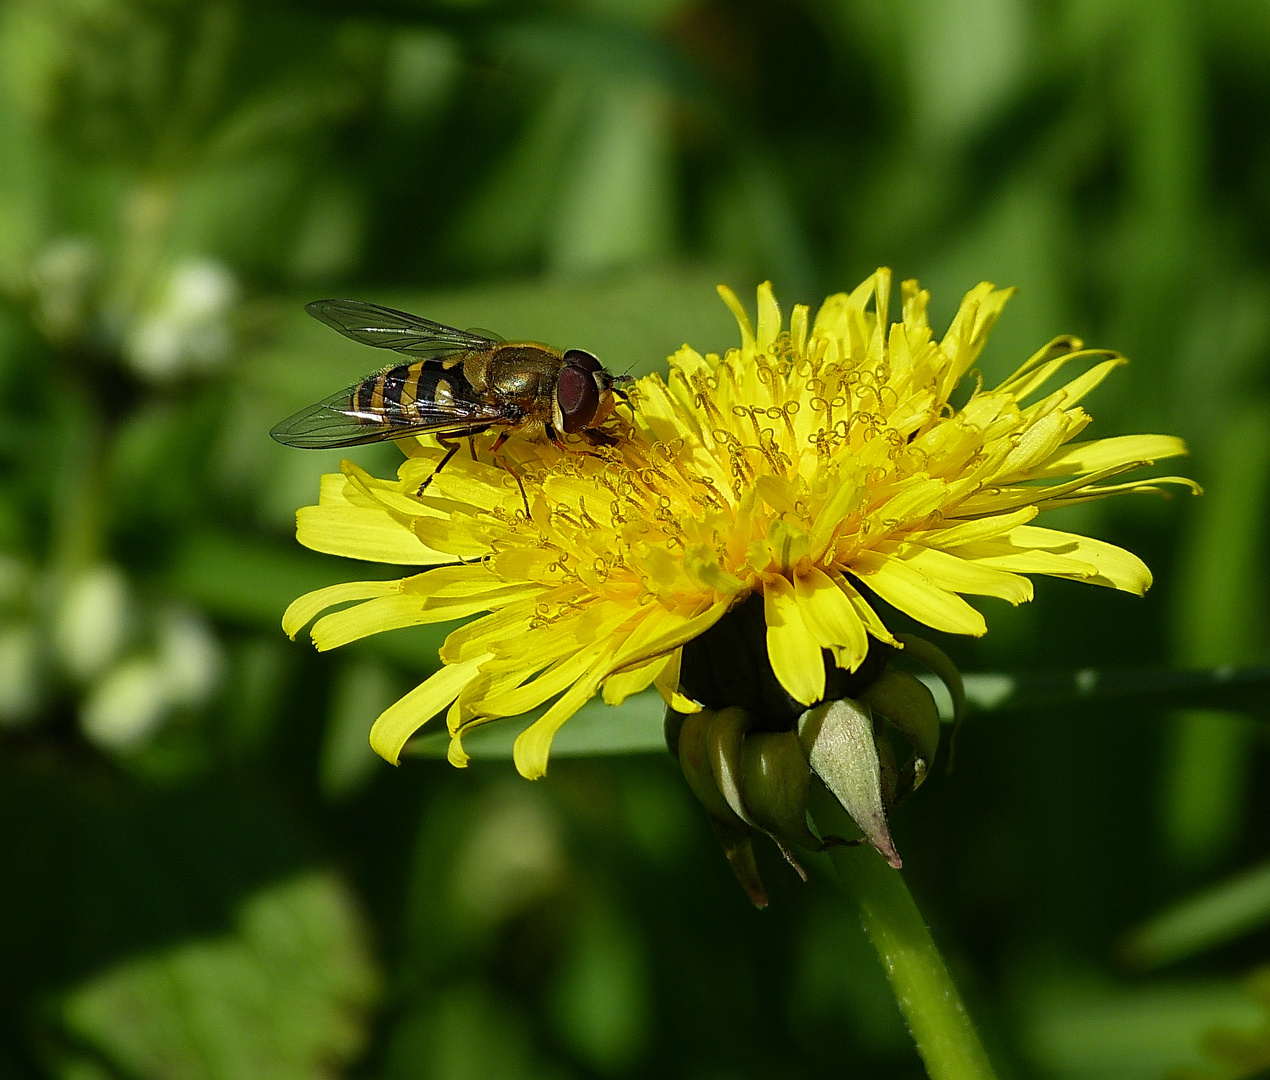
point(820, 467)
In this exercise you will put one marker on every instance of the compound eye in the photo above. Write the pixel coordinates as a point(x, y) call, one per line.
point(578, 396)
point(583, 359)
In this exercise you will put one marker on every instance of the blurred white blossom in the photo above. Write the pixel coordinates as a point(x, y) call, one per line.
point(127, 706)
point(92, 620)
point(189, 657)
point(186, 328)
point(133, 701)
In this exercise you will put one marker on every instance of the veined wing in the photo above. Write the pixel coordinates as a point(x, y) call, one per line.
point(397, 402)
point(387, 328)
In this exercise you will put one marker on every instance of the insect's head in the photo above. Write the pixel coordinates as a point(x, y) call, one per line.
point(583, 391)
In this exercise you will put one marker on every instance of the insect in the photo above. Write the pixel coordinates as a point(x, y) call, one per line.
point(463, 384)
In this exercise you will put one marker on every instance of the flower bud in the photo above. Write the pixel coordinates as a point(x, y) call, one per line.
point(753, 756)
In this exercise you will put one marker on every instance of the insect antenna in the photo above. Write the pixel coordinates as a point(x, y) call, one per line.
point(617, 387)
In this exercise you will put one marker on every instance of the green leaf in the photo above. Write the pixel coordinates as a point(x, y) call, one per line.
point(617, 204)
point(363, 689)
point(1237, 689)
point(285, 994)
point(1239, 1054)
point(247, 581)
point(634, 727)
point(1084, 1030)
point(1209, 759)
point(1221, 913)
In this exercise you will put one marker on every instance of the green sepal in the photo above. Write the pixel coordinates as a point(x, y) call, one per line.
point(694, 759)
point(905, 702)
point(738, 847)
point(725, 736)
point(935, 660)
point(888, 766)
point(775, 777)
point(837, 737)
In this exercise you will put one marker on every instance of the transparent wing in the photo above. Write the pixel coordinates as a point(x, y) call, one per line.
point(384, 406)
point(386, 328)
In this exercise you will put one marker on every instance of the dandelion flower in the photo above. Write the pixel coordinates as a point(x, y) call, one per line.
point(820, 465)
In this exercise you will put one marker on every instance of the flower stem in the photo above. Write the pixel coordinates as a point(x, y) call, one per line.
point(946, 1038)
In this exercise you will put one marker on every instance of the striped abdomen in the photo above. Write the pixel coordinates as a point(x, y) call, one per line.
point(389, 396)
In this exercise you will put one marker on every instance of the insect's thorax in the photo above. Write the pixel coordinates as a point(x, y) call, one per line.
point(524, 375)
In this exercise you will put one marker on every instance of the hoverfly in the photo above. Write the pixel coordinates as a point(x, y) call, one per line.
point(464, 384)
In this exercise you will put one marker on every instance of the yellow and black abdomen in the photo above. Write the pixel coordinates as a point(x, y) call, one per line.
point(390, 396)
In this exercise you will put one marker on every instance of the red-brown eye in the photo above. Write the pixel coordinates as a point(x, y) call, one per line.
point(577, 395)
point(583, 359)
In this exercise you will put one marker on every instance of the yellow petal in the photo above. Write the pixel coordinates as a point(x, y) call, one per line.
point(1037, 443)
point(792, 649)
point(658, 633)
point(401, 720)
point(1041, 367)
point(405, 609)
point(551, 682)
point(459, 582)
point(617, 688)
point(769, 318)
point(915, 500)
point(969, 330)
point(1116, 567)
point(1098, 454)
point(331, 490)
point(844, 499)
point(863, 609)
point(533, 745)
point(742, 319)
point(666, 631)
point(1155, 485)
point(455, 754)
point(1056, 347)
point(310, 605)
point(953, 532)
point(358, 532)
point(908, 589)
point(667, 684)
point(831, 618)
point(961, 576)
point(1079, 387)
point(1047, 495)
point(1001, 555)
point(479, 635)
point(798, 328)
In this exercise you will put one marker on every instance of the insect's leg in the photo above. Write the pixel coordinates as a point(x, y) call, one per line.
point(625, 399)
point(554, 436)
point(451, 448)
point(471, 446)
point(599, 438)
point(498, 444)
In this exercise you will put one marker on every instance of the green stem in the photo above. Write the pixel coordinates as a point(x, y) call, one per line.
point(936, 1018)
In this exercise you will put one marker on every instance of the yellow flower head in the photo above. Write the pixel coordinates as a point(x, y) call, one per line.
point(806, 463)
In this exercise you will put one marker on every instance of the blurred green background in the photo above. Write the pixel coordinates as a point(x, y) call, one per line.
point(205, 873)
